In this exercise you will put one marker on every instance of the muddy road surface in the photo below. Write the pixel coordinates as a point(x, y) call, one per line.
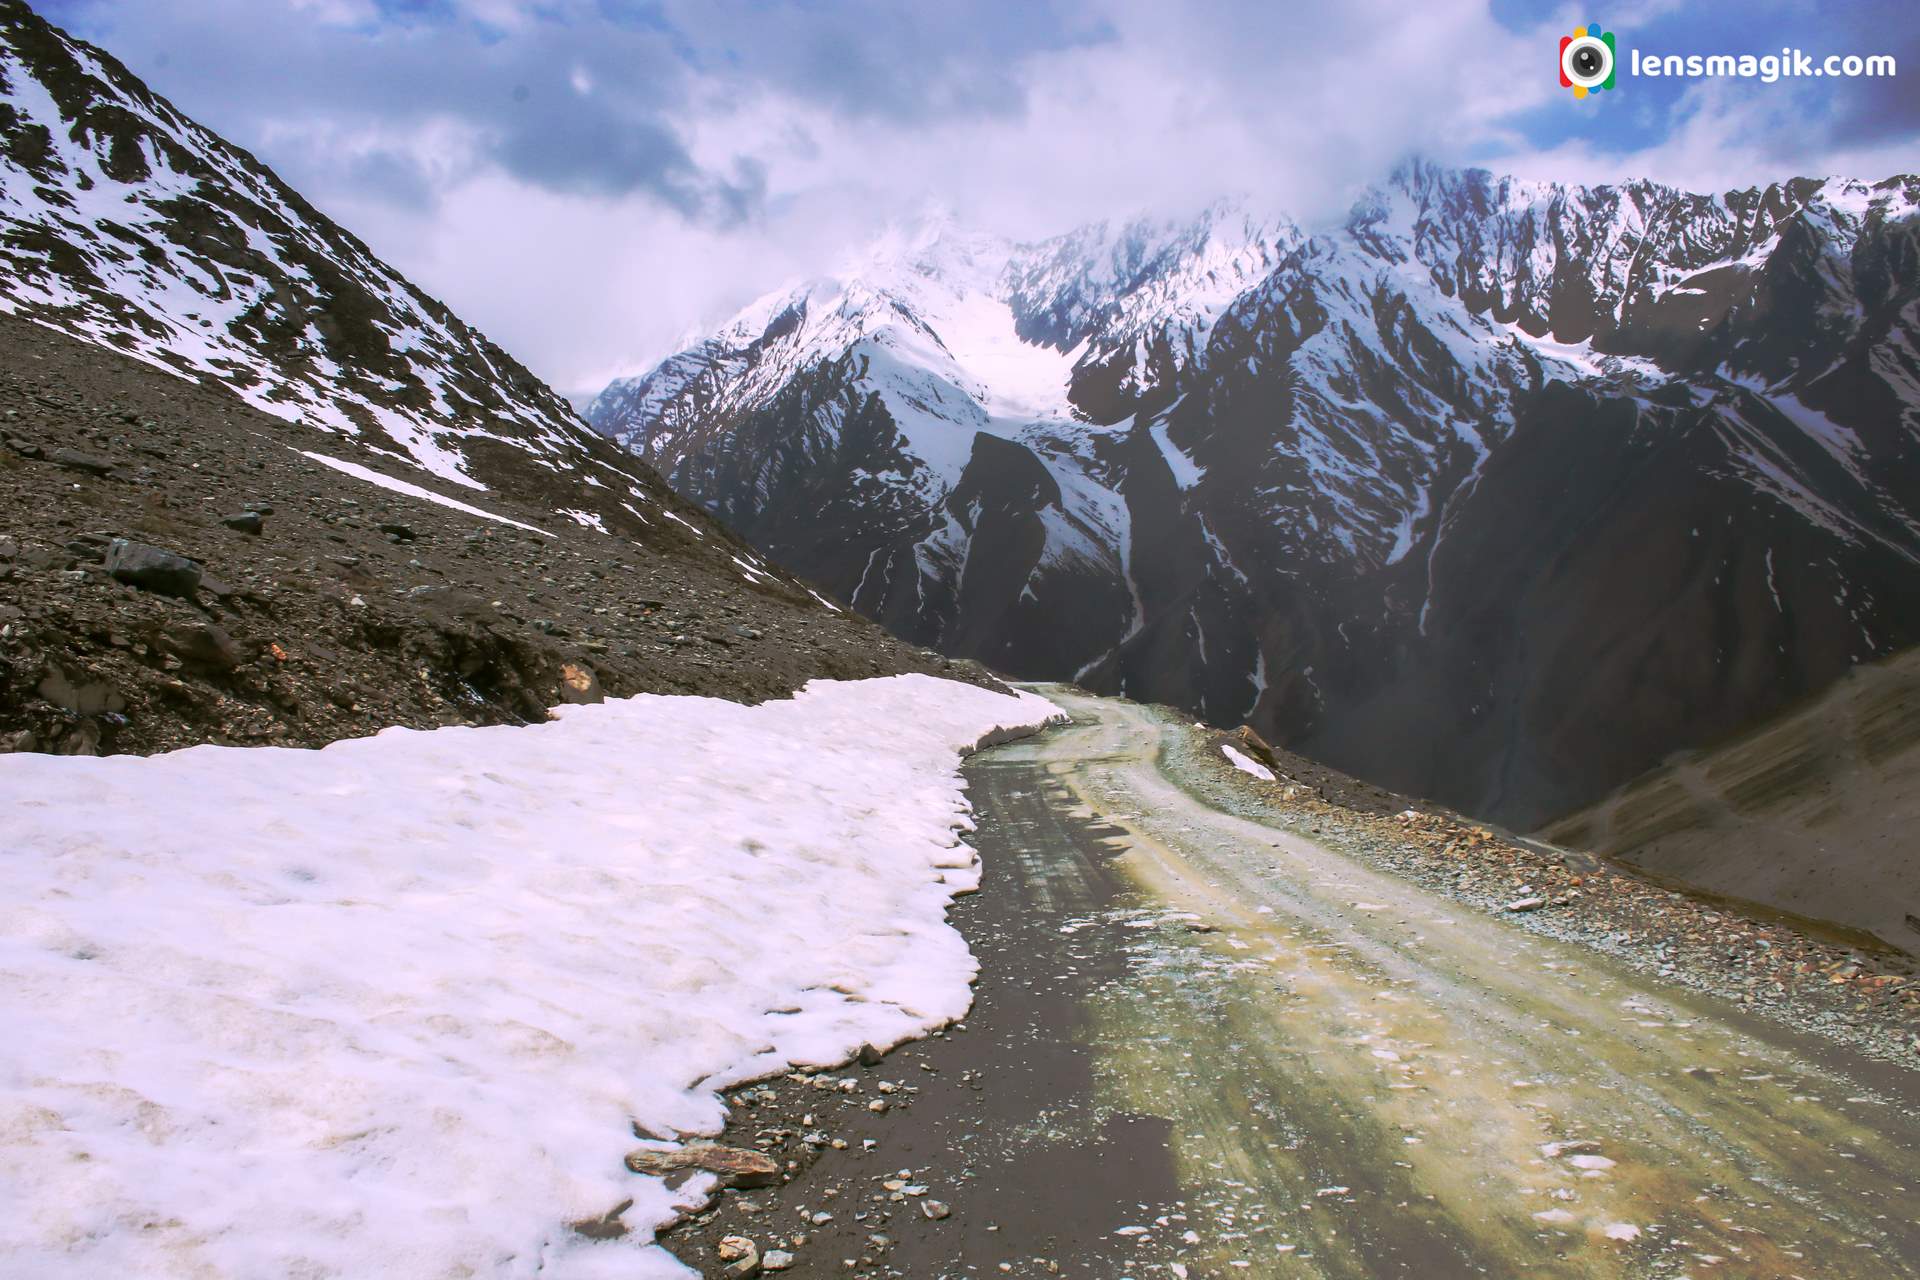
point(1206, 1046)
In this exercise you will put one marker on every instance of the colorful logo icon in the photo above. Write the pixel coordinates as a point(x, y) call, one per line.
point(1586, 60)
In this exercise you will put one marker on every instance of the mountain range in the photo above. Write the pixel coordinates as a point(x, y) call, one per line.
point(1491, 491)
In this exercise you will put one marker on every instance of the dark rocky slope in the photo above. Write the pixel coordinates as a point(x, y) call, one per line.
point(354, 607)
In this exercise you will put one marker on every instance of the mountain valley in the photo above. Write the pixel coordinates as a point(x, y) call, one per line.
point(1496, 493)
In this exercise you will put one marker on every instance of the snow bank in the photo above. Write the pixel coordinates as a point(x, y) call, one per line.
point(389, 1008)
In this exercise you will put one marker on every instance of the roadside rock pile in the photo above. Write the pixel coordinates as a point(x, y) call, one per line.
point(791, 1121)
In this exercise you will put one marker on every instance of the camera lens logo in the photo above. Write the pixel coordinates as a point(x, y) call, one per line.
point(1586, 60)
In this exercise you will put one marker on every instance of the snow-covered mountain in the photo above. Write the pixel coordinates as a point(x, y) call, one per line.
point(124, 223)
point(1495, 491)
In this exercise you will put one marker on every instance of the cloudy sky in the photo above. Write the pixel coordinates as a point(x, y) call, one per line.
point(588, 180)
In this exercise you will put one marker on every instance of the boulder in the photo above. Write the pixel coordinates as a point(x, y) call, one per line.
point(203, 644)
point(1254, 745)
point(73, 460)
point(152, 569)
point(607, 1226)
point(79, 695)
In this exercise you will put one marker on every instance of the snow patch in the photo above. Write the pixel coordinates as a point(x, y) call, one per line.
point(1186, 472)
point(413, 490)
point(391, 1007)
point(1245, 763)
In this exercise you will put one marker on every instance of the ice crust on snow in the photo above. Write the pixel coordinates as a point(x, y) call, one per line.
point(389, 1008)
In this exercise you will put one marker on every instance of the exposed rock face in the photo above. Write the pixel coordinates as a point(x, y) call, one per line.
point(1495, 492)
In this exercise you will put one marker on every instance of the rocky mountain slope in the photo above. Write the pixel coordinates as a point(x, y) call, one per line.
point(1494, 492)
point(256, 488)
point(126, 224)
point(1811, 812)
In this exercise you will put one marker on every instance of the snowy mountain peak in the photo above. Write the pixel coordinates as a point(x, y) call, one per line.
point(1320, 478)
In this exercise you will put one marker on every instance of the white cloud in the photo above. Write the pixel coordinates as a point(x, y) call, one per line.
point(1173, 112)
point(585, 188)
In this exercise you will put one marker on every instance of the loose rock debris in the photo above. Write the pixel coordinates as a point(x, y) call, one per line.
point(1869, 998)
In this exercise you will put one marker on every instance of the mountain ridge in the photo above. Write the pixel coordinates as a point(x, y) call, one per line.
point(1269, 435)
point(126, 224)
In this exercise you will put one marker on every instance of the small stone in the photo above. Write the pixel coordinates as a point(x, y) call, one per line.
point(735, 1166)
point(877, 1106)
point(935, 1209)
point(1526, 904)
point(777, 1260)
point(734, 1248)
point(245, 522)
point(398, 532)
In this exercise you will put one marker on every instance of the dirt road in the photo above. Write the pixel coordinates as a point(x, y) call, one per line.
point(1205, 1046)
